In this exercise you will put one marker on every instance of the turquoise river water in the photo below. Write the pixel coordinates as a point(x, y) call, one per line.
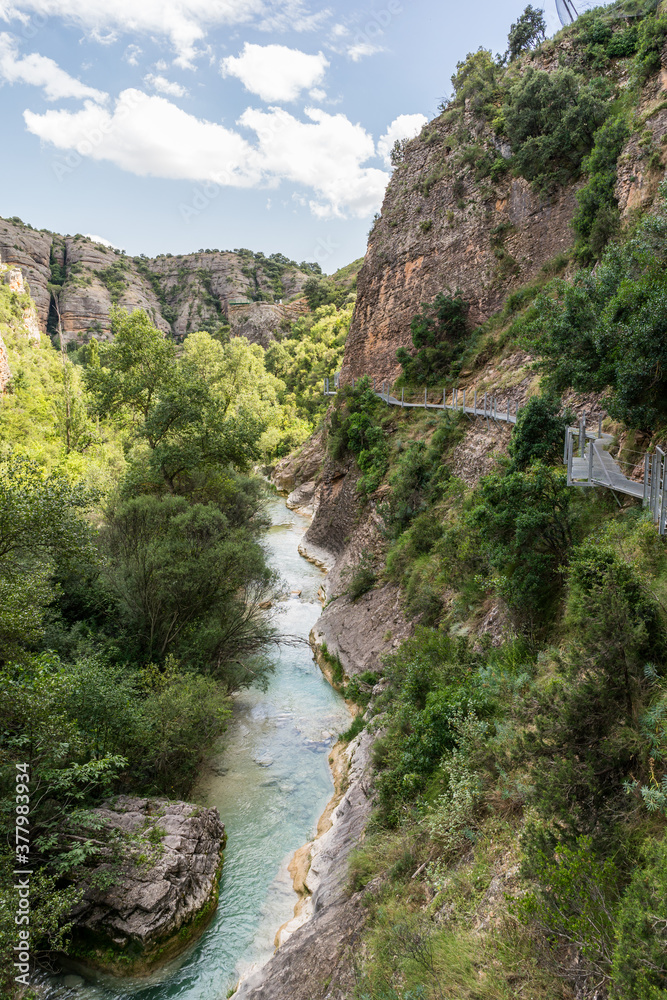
point(271, 781)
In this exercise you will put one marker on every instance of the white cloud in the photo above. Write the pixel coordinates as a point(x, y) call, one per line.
point(325, 154)
point(275, 72)
point(403, 127)
point(317, 94)
point(164, 86)
point(361, 49)
point(183, 22)
point(41, 72)
point(149, 136)
point(102, 241)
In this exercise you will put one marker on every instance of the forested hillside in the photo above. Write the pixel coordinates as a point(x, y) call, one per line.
point(135, 592)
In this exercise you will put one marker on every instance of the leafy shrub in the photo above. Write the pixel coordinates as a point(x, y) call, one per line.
point(363, 579)
point(651, 39)
point(437, 334)
point(429, 683)
point(582, 740)
point(526, 520)
point(639, 967)
point(354, 729)
point(475, 82)
point(550, 120)
point(575, 901)
point(539, 432)
point(623, 43)
point(608, 330)
point(597, 219)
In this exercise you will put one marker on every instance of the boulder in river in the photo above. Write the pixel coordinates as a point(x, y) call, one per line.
point(162, 897)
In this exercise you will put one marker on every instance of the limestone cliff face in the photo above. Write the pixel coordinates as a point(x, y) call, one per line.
point(180, 293)
point(439, 230)
point(30, 251)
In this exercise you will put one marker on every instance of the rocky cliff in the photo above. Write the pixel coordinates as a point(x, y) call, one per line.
point(444, 226)
point(207, 290)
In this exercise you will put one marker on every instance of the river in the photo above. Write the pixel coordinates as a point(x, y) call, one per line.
point(270, 781)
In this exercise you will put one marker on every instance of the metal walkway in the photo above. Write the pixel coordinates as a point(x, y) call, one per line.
point(486, 406)
point(592, 465)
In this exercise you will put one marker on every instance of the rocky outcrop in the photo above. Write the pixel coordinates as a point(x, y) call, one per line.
point(30, 251)
point(301, 466)
point(158, 904)
point(315, 958)
point(439, 230)
point(200, 291)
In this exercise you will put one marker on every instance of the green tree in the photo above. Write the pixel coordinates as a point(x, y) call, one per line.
point(539, 432)
point(188, 583)
point(526, 520)
point(550, 120)
point(527, 32)
point(438, 333)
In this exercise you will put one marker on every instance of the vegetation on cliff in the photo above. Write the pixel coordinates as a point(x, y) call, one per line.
point(518, 840)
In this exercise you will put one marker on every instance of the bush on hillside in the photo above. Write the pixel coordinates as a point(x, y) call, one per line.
point(438, 333)
point(550, 120)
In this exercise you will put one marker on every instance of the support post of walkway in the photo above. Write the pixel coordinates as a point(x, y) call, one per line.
point(647, 460)
point(455, 398)
point(567, 433)
point(508, 411)
point(425, 398)
point(590, 462)
point(663, 505)
point(485, 416)
point(660, 457)
point(654, 466)
point(600, 427)
point(474, 405)
point(402, 397)
point(570, 450)
point(582, 435)
point(444, 399)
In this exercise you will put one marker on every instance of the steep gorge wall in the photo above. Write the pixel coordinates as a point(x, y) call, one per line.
point(180, 293)
point(441, 229)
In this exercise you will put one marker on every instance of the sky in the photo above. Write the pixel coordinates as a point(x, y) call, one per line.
point(169, 126)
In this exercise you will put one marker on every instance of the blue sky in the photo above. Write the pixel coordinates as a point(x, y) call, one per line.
point(174, 125)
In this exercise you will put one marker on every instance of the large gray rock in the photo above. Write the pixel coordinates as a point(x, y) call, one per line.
point(155, 908)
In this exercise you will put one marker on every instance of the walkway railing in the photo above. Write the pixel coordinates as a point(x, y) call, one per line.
point(590, 464)
point(484, 405)
point(585, 455)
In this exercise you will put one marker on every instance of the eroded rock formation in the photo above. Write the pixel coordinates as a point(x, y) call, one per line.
point(183, 293)
point(155, 907)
